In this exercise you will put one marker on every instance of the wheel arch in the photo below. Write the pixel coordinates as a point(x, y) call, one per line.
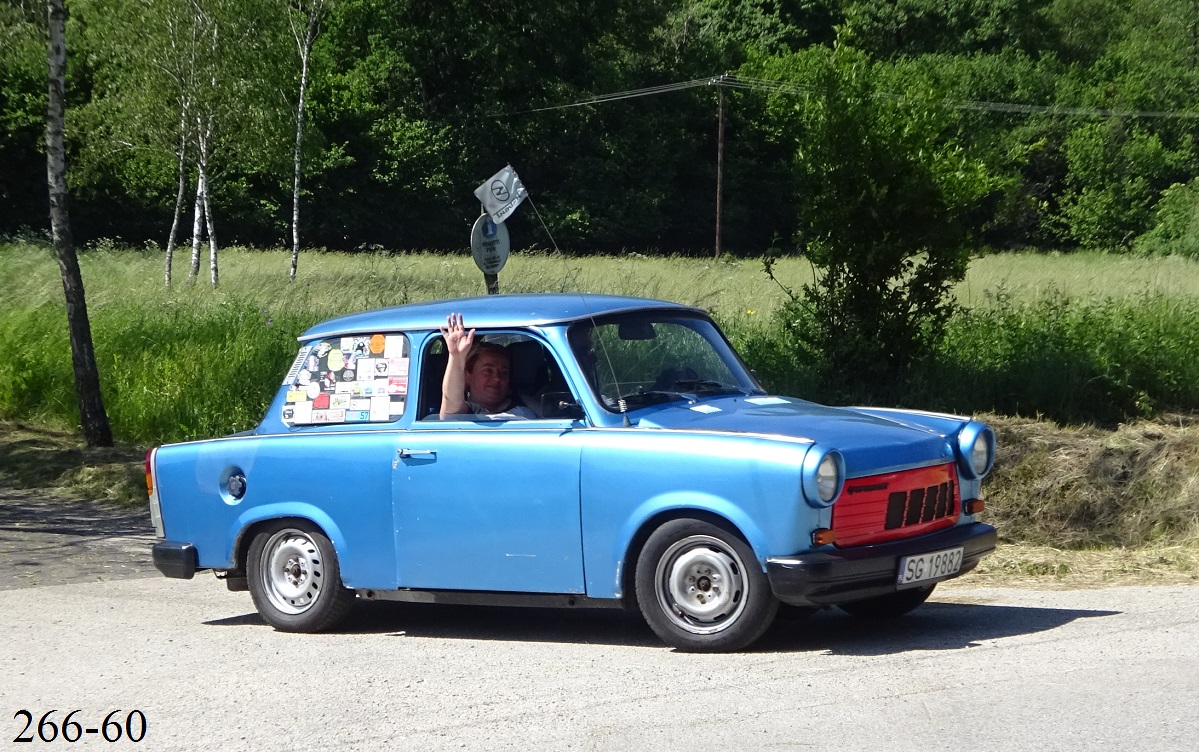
point(248, 525)
point(636, 543)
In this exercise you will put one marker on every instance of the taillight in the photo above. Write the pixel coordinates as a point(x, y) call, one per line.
point(152, 492)
point(149, 474)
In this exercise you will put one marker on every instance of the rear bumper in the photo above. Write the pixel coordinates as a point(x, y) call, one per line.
point(176, 560)
point(831, 577)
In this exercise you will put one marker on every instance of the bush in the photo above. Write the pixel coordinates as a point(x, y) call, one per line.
point(1176, 223)
point(882, 200)
point(1072, 360)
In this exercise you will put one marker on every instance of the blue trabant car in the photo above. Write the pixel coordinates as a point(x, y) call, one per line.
point(636, 463)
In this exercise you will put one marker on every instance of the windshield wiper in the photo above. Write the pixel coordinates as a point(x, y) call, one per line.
point(709, 388)
point(653, 397)
point(690, 390)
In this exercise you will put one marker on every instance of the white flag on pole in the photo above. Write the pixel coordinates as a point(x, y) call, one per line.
point(501, 194)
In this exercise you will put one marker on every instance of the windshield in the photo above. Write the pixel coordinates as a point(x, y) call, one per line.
point(634, 360)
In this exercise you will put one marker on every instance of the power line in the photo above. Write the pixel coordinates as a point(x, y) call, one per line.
point(630, 94)
point(794, 89)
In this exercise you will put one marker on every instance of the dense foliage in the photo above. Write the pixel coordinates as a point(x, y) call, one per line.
point(192, 362)
point(1064, 113)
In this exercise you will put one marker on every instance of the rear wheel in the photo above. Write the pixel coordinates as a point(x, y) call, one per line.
point(889, 605)
point(700, 588)
point(295, 579)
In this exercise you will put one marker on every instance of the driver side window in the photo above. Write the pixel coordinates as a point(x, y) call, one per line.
point(535, 379)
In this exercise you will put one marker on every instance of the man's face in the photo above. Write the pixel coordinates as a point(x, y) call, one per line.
point(487, 380)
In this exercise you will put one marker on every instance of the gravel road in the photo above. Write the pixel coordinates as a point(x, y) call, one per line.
point(986, 669)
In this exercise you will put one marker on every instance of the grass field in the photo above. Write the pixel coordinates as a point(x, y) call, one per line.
point(1049, 334)
point(1026, 276)
point(1091, 337)
point(335, 282)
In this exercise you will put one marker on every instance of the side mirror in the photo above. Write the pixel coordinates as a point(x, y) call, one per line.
point(561, 405)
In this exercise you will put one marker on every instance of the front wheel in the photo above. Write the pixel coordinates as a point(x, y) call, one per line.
point(295, 580)
point(700, 588)
point(890, 605)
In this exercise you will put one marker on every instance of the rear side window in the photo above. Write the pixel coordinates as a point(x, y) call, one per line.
point(358, 379)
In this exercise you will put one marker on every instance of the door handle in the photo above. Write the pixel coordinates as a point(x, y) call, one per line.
point(409, 454)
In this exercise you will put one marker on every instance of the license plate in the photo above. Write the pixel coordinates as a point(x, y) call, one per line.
point(932, 566)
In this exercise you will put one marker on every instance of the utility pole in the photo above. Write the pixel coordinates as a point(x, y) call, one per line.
point(719, 84)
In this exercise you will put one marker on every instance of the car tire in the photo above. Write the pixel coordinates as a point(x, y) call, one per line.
point(890, 605)
point(700, 588)
point(294, 578)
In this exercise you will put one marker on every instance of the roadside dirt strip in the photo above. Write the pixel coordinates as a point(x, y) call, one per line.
point(46, 541)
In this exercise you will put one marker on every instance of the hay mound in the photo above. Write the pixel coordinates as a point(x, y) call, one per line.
point(1086, 487)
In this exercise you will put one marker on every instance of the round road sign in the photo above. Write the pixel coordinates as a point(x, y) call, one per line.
point(489, 244)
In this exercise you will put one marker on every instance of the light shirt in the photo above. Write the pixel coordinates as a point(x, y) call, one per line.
point(514, 412)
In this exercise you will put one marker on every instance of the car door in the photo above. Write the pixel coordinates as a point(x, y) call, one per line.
point(489, 505)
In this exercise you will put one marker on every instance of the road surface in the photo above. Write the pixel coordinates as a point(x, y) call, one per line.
point(974, 669)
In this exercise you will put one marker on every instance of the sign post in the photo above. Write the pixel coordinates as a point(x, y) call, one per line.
point(489, 245)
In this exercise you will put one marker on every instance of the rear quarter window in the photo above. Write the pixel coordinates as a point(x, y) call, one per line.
point(357, 379)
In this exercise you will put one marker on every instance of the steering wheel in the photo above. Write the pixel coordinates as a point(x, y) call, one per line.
point(672, 375)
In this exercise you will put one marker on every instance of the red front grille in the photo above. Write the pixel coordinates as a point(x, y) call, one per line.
point(896, 505)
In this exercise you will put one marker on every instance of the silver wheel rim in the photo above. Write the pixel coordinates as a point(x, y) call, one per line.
point(702, 586)
point(293, 571)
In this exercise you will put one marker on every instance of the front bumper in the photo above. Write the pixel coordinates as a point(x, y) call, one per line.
point(831, 577)
point(176, 560)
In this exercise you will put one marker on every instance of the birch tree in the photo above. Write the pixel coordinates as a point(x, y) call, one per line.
point(185, 92)
point(140, 117)
point(304, 18)
point(96, 430)
point(236, 111)
point(207, 28)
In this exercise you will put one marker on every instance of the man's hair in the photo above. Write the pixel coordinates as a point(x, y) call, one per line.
point(486, 347)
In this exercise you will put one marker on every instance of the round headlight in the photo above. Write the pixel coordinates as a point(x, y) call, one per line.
point(822, 476)
point(976, 447)
point(980, 458)
point(828, 478)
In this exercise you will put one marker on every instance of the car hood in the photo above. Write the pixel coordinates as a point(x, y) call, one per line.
point(870, 441)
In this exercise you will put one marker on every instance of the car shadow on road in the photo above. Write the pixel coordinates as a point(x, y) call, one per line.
point(934, 626)
point(597, 626)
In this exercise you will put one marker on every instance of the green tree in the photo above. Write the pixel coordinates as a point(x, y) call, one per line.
point(1118, 167)
point(22, 112)
point(184, 89)
point(304, 21)
point(891, 29)
point(884, 202)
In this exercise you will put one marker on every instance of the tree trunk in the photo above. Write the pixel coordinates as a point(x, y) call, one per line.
point(96, 430)
point(305, 48)
point(182, 155)
point(212, 247)
point(197, 228)
point(203, 197)
point(295, 194)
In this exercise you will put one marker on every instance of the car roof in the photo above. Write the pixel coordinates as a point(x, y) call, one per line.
point(489, 312)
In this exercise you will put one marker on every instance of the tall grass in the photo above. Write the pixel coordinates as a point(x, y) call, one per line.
point(192, 361)
point(1074, 360)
